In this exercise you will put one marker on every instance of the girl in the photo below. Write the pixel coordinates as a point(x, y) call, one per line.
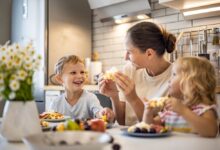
point(76, 102)
point(146, 76)
point(192, 104)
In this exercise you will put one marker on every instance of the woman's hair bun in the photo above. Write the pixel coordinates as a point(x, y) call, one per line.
point(170, 43)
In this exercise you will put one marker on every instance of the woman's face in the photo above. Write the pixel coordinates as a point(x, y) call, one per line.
point(73, 76)
point(134, 54)
point(174, 83)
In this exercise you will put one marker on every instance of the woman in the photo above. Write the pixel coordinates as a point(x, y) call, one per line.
point(145, 77)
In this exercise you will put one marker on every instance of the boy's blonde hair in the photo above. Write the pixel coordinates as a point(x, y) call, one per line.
point(64, 60)
point(198, 80)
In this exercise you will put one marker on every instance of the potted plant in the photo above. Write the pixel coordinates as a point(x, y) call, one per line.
point(17, 66)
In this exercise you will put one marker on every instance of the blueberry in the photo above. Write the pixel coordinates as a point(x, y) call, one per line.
point(111, 140)
point(116, 146)
point(152, 130)
point(87, 127)
point(54, 128)
point(137, 130)
point(144, 130)
point(77, 121)
point(62, 142)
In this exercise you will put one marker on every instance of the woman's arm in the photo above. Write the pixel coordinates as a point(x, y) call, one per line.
point(119, 109)
point(108, 88)
point(128, 88)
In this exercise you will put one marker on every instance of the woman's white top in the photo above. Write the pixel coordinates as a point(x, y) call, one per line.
point(146, 87)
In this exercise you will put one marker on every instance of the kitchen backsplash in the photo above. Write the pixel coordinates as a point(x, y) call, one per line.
point(108, 37)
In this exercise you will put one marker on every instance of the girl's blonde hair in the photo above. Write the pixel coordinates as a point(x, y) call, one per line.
point(64, 60)
point(198, 80)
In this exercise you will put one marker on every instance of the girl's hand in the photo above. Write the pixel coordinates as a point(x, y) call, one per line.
point(149, 113)
point(107, 87)
point(125, 84)
point(174, 104)
point(108, 113)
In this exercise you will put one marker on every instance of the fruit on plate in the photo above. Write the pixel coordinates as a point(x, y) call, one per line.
point(97, 125)
point(44, 123)
point(143, 127)
point(73, 125)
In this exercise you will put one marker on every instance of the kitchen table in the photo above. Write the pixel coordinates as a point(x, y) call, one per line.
point(176, 141)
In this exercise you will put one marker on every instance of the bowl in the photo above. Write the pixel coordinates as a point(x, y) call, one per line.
point(68, 140)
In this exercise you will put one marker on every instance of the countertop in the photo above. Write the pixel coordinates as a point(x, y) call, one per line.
point(91, 88)
point(180, 141)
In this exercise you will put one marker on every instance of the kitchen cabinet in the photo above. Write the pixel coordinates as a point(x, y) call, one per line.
point(186, 4)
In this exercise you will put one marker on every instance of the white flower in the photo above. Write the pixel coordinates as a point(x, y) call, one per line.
point(12, 95)
point(22, 74)
point(17, 67)
point(28, 66)
point(14, 85)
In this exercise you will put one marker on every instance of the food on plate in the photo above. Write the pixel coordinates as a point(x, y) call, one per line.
point(110, 74)
point(157, 102)
point(44, 123)
point(90, 124)
point(51, 115)
point(143, 127)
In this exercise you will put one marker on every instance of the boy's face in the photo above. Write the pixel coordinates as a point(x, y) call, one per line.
point(174, 83)
point(73, 76)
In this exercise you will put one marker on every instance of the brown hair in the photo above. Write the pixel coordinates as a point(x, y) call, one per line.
point(66, 59)
point(146, 35)
point(198, 80)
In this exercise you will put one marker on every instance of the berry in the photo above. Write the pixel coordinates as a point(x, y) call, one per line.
point(116, 146)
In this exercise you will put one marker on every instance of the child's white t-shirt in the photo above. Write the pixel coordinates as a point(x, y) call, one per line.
point(146, 87)
point(86, 107)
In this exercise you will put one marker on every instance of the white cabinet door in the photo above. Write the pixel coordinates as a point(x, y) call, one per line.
point(49, 97)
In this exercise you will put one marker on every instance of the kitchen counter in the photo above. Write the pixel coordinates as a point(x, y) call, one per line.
point(180, 141)
point(91, 88)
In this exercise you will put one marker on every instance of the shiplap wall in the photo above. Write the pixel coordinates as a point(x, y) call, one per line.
point(108, 38)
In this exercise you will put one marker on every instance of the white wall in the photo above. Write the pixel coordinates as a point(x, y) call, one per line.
point(31, 28)
point(108, 37)
point(70, 30)
point(5, 21)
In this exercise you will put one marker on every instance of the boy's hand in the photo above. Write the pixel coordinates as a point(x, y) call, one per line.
point(108, 114)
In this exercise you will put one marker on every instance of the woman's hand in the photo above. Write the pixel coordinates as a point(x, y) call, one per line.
point(174, 104)
point(126, 85)
point(107, 87)
point(108, 113)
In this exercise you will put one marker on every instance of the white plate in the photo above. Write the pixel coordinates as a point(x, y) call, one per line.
point(57, 120)
point(148, 135)
point(69, 140)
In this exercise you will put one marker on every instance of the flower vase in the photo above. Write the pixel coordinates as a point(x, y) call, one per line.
point(20, 119)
